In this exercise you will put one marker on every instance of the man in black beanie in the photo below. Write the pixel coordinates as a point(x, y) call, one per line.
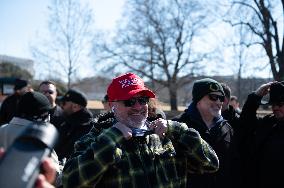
point(204, 115)
point(229, 113)
point(10, 104)
point(262, 138)
point(33, 108)
point(78, 122)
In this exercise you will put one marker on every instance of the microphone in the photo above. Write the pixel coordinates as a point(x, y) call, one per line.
point(20, 165)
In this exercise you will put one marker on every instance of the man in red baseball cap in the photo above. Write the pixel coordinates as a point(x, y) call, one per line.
point(126, 86)
point(133, 152)
point(129, 89)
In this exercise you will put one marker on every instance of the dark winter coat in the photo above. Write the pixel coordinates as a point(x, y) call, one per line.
point(9, 108)
point(74, 127)
point(56, 116)
point(261, 147)
point(232, 116)
point(220, 138)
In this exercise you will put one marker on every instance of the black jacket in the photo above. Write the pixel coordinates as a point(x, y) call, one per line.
point(100, 122)
point(74, 127)
point(9, 108)
point(56, 116)
point(232, 116)
point(103, 121)
point(220, 138)
point(261, 147)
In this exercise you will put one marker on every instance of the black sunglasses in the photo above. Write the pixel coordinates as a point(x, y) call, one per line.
point(131, 102)
point(214, 97)
point(50, 92)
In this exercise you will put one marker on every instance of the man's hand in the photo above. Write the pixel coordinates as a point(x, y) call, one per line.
point(1, 152)
point(126, 131)
point(263, 89)
point(47, 177)
point(159, 126)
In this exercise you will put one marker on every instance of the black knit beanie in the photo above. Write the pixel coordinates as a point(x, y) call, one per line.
point(33, 104)
point(276, 92)
point(19, 84)
point(203, 87)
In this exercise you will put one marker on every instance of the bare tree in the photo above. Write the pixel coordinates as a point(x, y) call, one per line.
point(263, 19)
point(240, 58)
point(157, 42)
point(70, 34)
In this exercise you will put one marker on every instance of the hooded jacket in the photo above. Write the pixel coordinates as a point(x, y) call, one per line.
point(220, 138)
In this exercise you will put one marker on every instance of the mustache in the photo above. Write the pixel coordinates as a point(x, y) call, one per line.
point(134, 111)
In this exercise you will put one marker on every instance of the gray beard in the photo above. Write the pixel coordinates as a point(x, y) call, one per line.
point(129, 122)
point(135, 124)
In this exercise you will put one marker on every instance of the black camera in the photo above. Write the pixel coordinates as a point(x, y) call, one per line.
point(141, 132)
point(20, 165)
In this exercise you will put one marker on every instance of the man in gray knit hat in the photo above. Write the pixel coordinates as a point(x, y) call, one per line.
point(204, 115)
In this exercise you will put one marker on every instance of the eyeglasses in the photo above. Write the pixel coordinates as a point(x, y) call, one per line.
point(50, 92)
point(41, 118)
point(131, 102)
point(214, 97)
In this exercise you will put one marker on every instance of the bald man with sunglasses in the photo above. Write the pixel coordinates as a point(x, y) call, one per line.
point(134, 152)
point(204, 115)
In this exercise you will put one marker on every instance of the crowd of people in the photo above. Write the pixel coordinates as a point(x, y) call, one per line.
point(212, 144)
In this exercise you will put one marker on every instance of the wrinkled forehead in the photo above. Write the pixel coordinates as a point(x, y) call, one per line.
point(44, 87)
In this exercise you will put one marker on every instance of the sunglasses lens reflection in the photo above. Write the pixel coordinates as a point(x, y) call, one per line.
point(132, 102)
point(214, 97)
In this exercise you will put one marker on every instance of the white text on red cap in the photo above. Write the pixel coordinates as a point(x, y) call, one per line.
point(129, 82)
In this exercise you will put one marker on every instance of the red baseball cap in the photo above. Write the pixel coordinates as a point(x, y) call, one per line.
point(126, 86)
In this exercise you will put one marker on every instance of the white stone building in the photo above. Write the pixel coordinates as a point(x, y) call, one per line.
point(26, 64)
